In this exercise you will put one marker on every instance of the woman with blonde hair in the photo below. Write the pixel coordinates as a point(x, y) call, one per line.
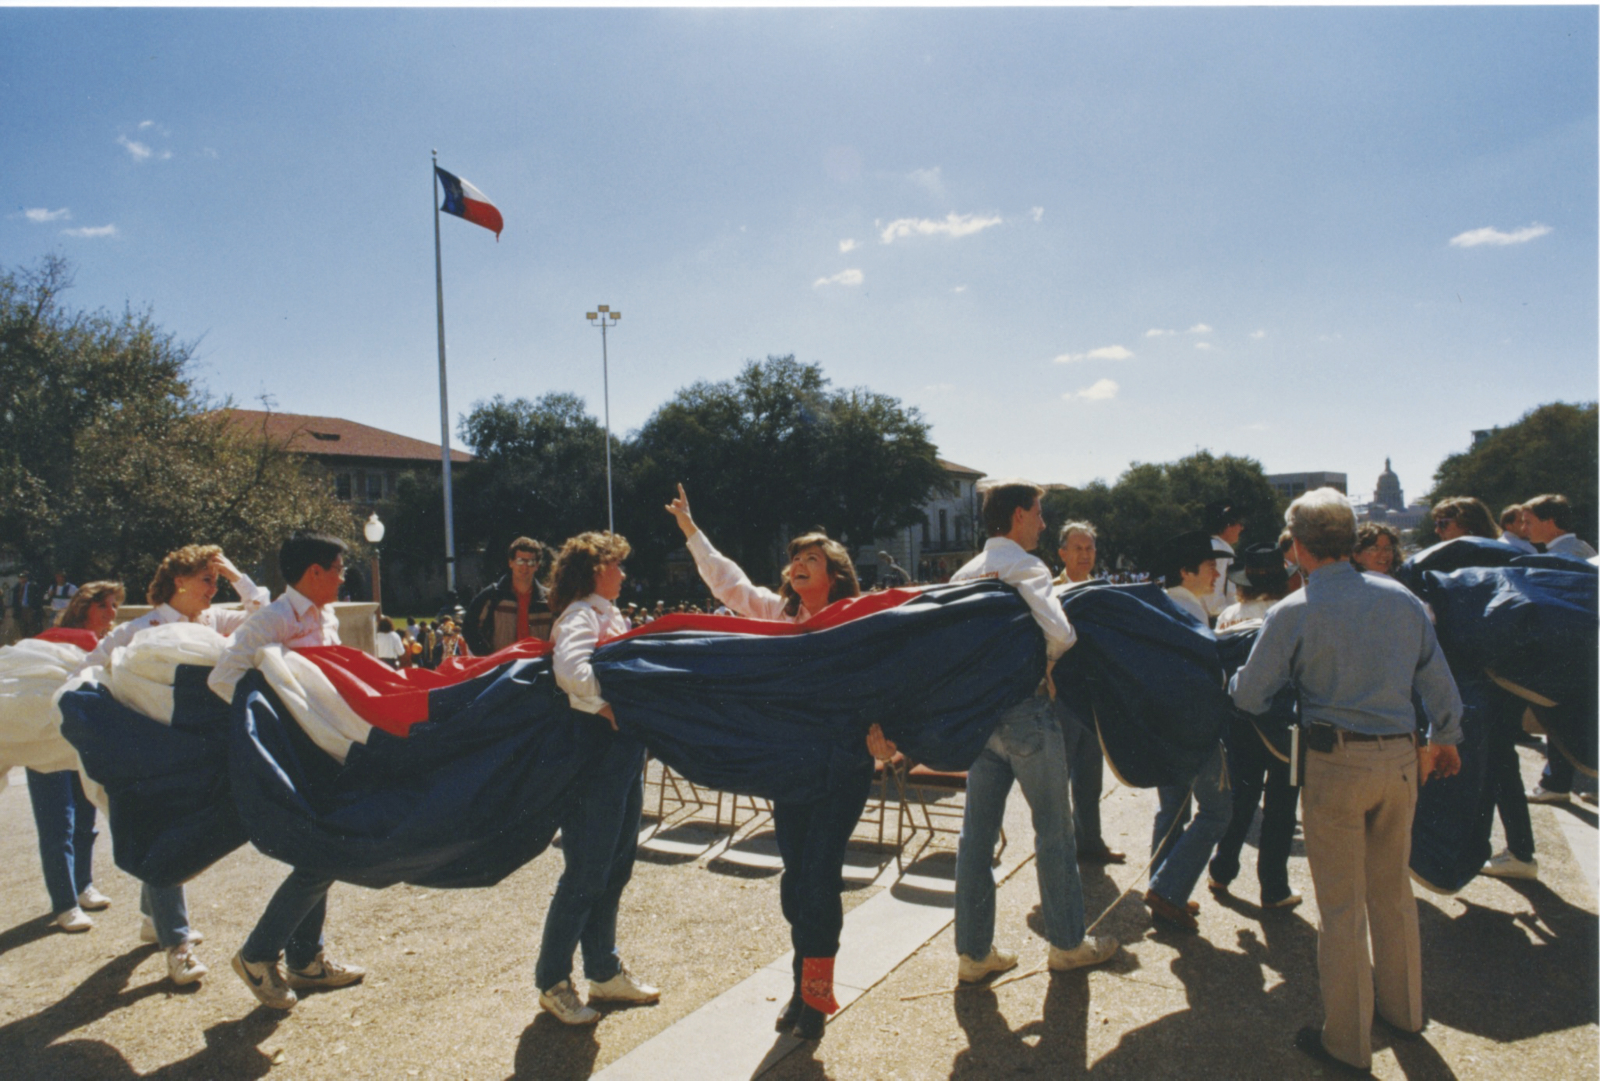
point(61, 810)
point(181, 592)
point(599, 830)
point(812, 837)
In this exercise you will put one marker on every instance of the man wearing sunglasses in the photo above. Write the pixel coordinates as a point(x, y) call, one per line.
point(513, 608)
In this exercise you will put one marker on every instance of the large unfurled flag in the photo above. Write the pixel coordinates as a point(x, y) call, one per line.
point(465, 201)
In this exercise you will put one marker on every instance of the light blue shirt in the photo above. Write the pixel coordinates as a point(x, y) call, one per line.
point(1354, 646)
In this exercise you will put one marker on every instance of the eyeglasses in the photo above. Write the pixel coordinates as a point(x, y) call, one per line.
point(526, 562)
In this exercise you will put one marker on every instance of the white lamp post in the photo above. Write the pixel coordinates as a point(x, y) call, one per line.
point(373, 531)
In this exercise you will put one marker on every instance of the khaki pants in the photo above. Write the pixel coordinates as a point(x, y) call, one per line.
point(1358, 802)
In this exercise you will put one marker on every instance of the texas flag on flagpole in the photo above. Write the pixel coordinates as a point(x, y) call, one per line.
point(465, 201)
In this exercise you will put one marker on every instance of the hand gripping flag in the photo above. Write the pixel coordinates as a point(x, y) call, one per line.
point(465, 201)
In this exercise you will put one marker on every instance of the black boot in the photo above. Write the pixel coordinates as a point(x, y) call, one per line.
point(791, 1014)
point(810, 1023)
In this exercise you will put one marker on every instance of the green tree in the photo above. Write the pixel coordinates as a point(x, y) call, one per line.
point(541, 472)
point(1152, 503)
point(1551, 448)
point(773, 452)
point(110, 455)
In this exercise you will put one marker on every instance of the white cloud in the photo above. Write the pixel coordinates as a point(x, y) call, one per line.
point(91, 232)
point(846, 245)
point(1258, 334)
point(844, 277)
point(929, 179)
point(146, 124)
point(40, 214)
point(1105, 352)
point(1037, 213)
point(959, 289)
point(1157, 332)
point(954, 225)
point(139, 151)
point(1490, 235)
point(1199, 328)
point(1207, 346)
point(1101, 391)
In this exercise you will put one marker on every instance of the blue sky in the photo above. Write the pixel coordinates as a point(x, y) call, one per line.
point(1074, 238)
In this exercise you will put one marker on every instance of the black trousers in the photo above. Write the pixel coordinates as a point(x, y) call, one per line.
point(812, 838)
point(1256, 773)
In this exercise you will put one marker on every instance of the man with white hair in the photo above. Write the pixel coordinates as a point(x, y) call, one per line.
point(1077, 552)
point(1355, 647)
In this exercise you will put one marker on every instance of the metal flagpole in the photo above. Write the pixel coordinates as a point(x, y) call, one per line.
point(444, 399)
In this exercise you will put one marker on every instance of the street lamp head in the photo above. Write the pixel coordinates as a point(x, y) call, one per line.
point(615, 316)
point(373, 530)
point(605, 307)
point(591, 316)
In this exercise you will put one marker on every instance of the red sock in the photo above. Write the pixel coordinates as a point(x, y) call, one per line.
point(816, 984)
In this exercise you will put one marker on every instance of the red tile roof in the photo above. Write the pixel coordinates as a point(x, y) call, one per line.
point(334, 437)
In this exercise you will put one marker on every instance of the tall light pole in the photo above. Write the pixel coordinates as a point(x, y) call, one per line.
point(603, 317)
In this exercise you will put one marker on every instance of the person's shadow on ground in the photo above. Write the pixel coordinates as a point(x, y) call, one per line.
point(552, 1051)
point(35, 1046)
point(1510, 976)
point(1055, 1045)
point(1233, 1026)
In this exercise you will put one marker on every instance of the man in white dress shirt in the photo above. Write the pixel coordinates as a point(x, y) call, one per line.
point(290, 929)
point(1225, 522)
point(1028, 747)
point(1549, 522)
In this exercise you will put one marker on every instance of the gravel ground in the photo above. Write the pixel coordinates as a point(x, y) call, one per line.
point(1509, 978)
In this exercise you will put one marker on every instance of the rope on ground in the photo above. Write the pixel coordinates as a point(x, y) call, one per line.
point(1132, 885)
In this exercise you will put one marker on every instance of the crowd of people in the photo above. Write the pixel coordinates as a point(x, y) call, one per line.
point(1335, 633)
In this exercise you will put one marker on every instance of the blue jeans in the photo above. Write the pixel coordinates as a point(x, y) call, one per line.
point(168, 911)
point(65, 820)
point(1028, 746)
point(599, 836)
point(292, 923)
point(1183, 857)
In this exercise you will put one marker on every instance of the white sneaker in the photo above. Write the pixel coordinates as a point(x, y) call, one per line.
point(623, 988)
point(323, 971)
point(1504, 865)
point(183, 966)
point(265, 980)
point(1093, 950)
point(971, 971)
point(74, 921)
point(1541, 794)
point(92, 899)
point(564, 1004)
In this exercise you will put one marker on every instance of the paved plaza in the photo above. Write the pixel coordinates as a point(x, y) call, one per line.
point(1509, 973)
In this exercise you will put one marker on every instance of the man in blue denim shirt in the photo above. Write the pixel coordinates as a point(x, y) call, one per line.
point(1355, 647)
point(1027, 746)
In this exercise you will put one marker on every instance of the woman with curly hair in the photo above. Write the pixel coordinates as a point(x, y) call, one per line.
point(181, 592)
point(599, 831)
point(61, 810)
point(812, 837)
point(1377, 549)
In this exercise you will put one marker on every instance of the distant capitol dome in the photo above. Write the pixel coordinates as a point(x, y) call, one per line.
point(1389, 493)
